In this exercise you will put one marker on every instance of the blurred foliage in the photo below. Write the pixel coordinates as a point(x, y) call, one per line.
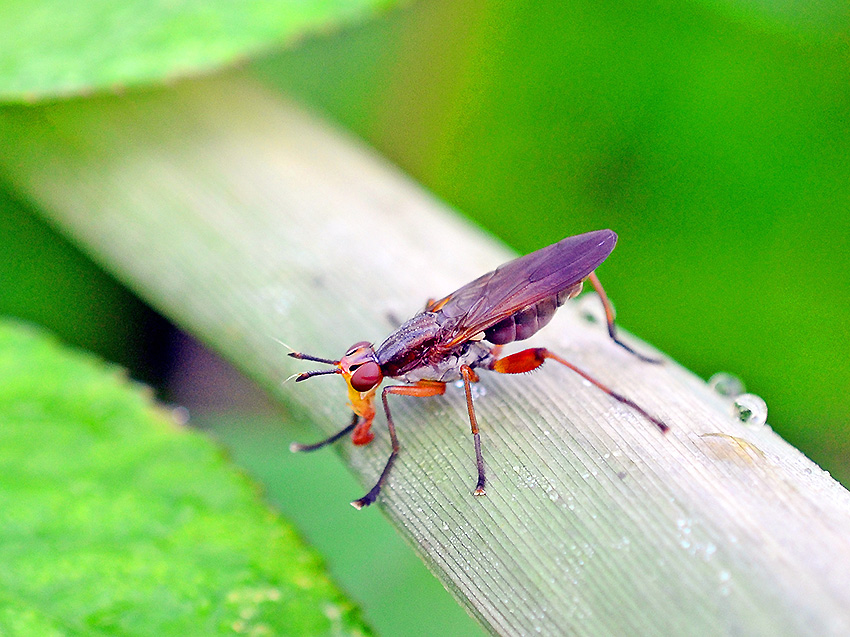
point(117, 521)
point(47, 281)
point(52, 48)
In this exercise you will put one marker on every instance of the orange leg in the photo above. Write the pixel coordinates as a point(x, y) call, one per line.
point(609, 319)
point(532, 358)
point(422, 389)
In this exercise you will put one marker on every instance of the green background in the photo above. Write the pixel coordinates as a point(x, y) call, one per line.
point(713, 137)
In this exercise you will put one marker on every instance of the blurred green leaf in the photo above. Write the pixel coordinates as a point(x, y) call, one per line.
point(51, 48)
point(116, 521)
point(821, 19)
point(47, 281)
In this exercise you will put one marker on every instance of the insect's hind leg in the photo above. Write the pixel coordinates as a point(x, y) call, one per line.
point(532, 358)
point(609, 319)
point(327, 441)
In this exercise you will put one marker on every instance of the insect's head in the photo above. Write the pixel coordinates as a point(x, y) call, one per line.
point(359, 367)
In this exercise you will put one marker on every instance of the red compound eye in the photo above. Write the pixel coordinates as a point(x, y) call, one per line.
point(366, 376)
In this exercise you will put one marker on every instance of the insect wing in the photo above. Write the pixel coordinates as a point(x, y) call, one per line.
point(521, 283)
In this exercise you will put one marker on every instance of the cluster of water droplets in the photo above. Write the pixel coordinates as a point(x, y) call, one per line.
point(750, 409)
point(478, 390)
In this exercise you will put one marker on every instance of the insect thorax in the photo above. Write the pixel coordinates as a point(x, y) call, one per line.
point(409, 353)
point(447, 369)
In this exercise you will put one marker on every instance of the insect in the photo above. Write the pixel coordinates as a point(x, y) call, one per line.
point(465, 331)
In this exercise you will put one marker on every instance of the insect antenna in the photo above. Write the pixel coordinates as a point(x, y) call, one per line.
point(315, 359)
point(318, 372)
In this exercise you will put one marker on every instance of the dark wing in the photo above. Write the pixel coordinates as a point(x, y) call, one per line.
point(519, 284)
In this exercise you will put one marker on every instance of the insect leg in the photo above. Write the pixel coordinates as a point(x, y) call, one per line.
point(532, 358)
point(327, 441)
point(469, 376)
point(422, 389)
point(609, 319)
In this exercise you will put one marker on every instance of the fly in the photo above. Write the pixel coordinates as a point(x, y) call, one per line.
point(465, 331)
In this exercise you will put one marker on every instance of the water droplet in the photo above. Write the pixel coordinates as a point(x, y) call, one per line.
point(478, 390)
point(180, 416)
point(726, 384)
point(751, 410)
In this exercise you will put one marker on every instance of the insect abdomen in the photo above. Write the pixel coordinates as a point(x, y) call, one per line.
point(528, 321)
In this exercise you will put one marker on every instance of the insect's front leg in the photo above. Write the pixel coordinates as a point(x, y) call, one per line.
point(609, 319)
point(422, 389)
point(327, 441)
point(362, 432)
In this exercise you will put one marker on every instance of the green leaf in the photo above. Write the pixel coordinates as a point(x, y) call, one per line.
point(118, 521)
point(53, 48)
